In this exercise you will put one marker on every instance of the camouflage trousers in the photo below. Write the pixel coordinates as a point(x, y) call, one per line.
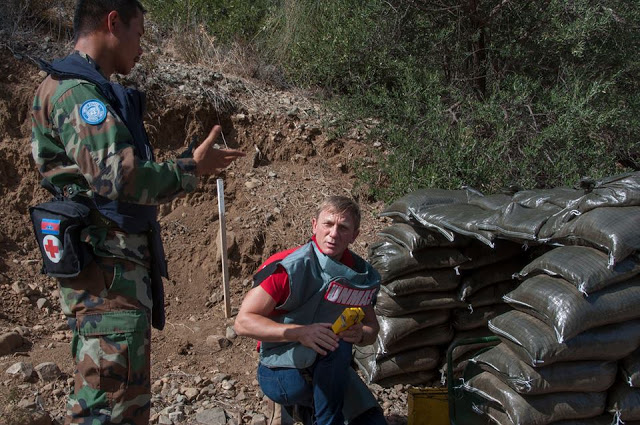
point(108, 307)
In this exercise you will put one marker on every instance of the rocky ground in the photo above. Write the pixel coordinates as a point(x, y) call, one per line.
point(201, 373)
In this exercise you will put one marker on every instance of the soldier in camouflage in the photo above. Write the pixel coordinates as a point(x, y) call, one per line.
point(89, 141)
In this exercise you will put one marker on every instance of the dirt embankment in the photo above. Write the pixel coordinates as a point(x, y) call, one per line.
point(292, 163)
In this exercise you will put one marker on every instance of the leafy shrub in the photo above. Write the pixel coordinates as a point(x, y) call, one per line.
point(226, 20)
point(487, 94)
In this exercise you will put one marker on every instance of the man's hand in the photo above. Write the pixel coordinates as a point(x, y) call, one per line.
point(254, 321)
point(365, 332)
point(319, 337)
point(208, 159)
point(354, 334)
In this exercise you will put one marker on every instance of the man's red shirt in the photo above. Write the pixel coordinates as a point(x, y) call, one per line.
point(277, 285)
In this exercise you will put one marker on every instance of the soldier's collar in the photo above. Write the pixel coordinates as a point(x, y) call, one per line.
point(89, 59)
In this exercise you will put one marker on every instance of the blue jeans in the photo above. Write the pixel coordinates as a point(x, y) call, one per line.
point(321, 386)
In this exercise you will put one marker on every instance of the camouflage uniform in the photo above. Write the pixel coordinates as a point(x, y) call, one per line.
point(108, 305)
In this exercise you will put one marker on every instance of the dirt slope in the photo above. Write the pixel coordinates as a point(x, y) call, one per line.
point(270, 195)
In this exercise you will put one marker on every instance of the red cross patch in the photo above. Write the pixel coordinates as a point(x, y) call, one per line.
point(53, 248)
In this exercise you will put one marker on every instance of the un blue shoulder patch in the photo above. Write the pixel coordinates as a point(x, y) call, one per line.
point(93, 111)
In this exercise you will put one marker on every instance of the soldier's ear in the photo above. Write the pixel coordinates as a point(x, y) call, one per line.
point(113, 20)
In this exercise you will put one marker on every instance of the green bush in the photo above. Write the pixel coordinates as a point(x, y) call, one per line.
point(490, 94)
point(532, 94)
point(226, 19)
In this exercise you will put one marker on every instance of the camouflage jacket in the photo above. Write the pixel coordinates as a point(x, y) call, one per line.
point(85, 158)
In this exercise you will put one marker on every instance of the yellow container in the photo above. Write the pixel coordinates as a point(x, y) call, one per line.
point(428, 406)
point(349, 317)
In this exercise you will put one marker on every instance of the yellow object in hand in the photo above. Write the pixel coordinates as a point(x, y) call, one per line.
point(349, 317)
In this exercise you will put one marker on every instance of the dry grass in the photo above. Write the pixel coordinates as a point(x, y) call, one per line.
point(192, 43)
point(195, 45)
point(51, 16)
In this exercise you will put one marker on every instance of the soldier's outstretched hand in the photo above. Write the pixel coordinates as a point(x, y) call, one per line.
point(208, 159)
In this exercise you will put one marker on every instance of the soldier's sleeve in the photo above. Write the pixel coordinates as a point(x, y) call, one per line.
point(104, 153)
point(46, 148)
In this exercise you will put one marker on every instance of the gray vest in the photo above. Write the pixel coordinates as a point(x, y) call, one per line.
point(321, 288)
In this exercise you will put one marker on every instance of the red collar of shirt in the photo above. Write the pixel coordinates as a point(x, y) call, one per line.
point(346, 259)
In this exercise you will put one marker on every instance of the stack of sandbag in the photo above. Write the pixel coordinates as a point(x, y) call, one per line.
point(465, 231)
point(485, 278)
point(419, 283)
point(624, 397)
point(434, 285)
point(531, 378)
point(575, 319)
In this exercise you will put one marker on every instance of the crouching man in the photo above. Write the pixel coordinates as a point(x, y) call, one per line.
point(296, 297)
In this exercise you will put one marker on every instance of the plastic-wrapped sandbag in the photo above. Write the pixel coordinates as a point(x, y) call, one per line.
point(560, 305)
point(537, 214)
point(416, 238)
point(458, 367)
point(430, 280)
point(401, 208)
point(421, 359)
point(491, 295)
point(481, 255)
point(462, 353)
point(387, 305)
point(516, 221)
point(615, 230)
point(392, 260)
point(539, 409)
point(467, 319)
point(584, 376)
point(630, 368)
point(431, 336)
point(463, 219)
point(586, 268)
point(561, 197)
point(488, 275)
point(624, 402)
point(491, 202)
point(536, 343)
point(555, 223)
point(501, 418)
point(616, 191)
point(393, 329)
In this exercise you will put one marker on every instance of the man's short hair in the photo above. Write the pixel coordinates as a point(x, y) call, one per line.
point(341, 205)
point(89, 13)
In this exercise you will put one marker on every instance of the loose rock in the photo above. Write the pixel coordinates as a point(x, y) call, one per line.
point(48, 371)
point(214, 416)
point(23, 371)
point(10, 342)
point(218, 341)
point(231, 333)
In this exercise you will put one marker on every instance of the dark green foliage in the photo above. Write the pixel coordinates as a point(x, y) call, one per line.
point(488, 94)
point(226, 19)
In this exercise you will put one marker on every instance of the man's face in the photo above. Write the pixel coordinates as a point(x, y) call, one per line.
point(128, 48)
point(334, 232)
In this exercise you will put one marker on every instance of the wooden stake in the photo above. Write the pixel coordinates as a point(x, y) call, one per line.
point(222, 244)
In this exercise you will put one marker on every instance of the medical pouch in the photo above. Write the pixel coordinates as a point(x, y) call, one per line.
point(57, 226)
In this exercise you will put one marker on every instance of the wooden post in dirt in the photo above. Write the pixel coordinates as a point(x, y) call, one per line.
point(222, 244)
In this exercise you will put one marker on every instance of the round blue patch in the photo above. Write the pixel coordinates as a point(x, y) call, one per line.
point(93, 112)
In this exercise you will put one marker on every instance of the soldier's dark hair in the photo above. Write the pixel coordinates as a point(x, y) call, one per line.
point(89, 13)
point(341, 205)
